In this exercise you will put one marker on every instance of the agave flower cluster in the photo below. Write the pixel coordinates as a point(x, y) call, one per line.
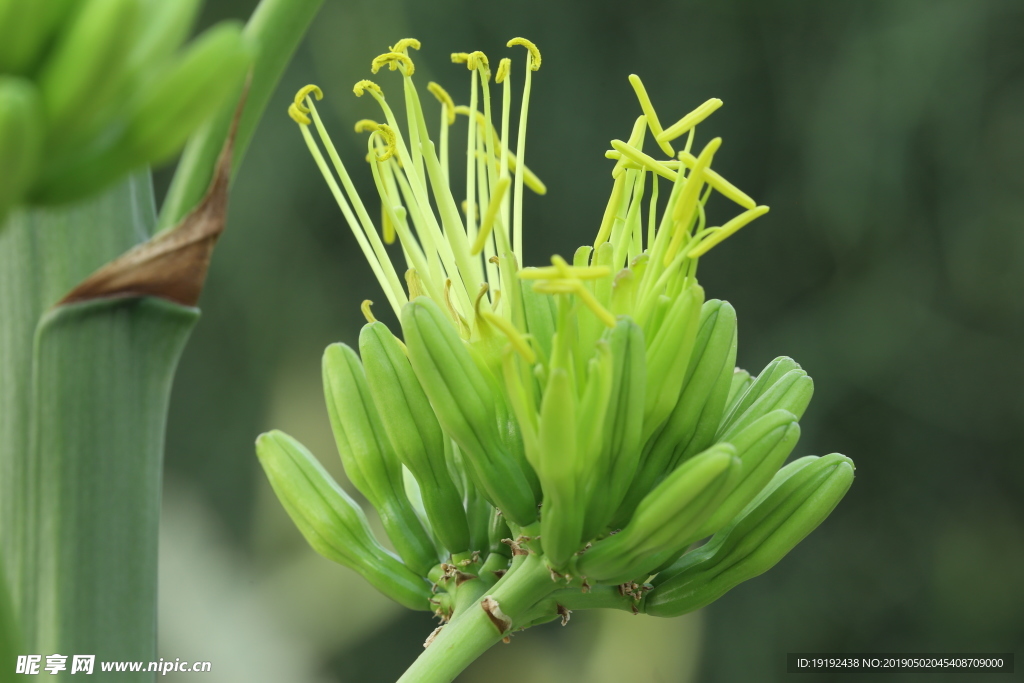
point(93, 89)
point(557, 437)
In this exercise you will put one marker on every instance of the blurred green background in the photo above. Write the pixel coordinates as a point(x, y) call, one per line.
point(888, 138)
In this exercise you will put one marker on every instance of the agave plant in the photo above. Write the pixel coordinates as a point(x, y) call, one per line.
point(545, 439)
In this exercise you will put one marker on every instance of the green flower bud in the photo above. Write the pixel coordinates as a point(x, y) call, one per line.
point(464, 402)
point(21, 137)
point(762, 447)
point(609, 478)
point(414, 432)
point(26, 28)
point(333, 523)
point(798, 499)
point(666, 518)
point(782, 384)
point(82, 76)
point(668, 356)
point(166, 25)
point(691, 426)
point(196, 85)
point(369, 460)
point(738, 384)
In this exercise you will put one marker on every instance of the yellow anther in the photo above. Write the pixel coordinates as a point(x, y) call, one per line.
point(360, 87)
point(722, 185)
point(517, 340)
point(503, 66)
point(719, 234)
point(478, 61)
point(390, 140)
point(367, 313)
point(404, 44)
point(574, 272)
point(461, 58)
point(529, 45)
point(652, 116)
point(489, 215)
point(365, 125)
point(687, 201)
point(575, 286)
point(444, 98)
point(303, 93)
point(643, 160)
point(297, 115)
point(684, 124)
point(480, 296)
point(561, 265)
point(464, 330)
point(392, 60)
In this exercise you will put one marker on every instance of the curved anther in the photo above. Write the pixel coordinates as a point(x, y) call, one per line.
point(390, 140)
point(365, 308)
point(478, 62)
point(365, 125)
point(303, 93)
point(364, 85)
point(444, 98)
point(503, 66)
point(298, 115)
point(404, 44)
point(393, 60)
point(529, 45)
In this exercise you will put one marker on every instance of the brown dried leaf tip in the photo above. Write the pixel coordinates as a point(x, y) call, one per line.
point(172, 265)
point(564, 613)
point(430, 638)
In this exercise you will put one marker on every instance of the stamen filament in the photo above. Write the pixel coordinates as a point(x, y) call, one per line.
point(492, 211)
point(723, 186)
point(518, 341)
point(532, 64)
point(683, 212)
point(643, 160)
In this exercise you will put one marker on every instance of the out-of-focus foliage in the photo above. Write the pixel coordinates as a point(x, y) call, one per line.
point(887, 138)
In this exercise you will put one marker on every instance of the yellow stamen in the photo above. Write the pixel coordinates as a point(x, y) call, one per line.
point(529, 45)
point(652, 116)
point(610, 210)
point(576, 287)
point(577, 272)
point(386, 226)
point(684, 124)
point(360, 87)
point(726, 230)
point(477, 61)
point(404, 44)
point(393, 60)
point(643, 160)
point(303, 93)
point(492, 212)
point(464, 330)
point(297, 115)
point(503, 66)
point(716, 181)
point(386, 132)
point(529, 177)
point(367, 313)
point(688, 199)
point(636, 140)
point(444, 98)
point(517, 340)
point(365, 125)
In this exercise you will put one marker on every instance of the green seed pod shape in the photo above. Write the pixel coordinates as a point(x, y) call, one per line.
point(196, 85)
point(608, 479)
point(333, 523)
point(369, 460)
point(798, 499)
point(414, 432)
point(464, 404)
point(738, 383)
point(666, 518)
point(700, 403)
point(82, 74)
point(668, 357)
point(782, 384)
point(21, 137)
point(762, 447)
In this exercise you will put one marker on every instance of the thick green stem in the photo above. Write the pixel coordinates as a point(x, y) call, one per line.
point(473, 632)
